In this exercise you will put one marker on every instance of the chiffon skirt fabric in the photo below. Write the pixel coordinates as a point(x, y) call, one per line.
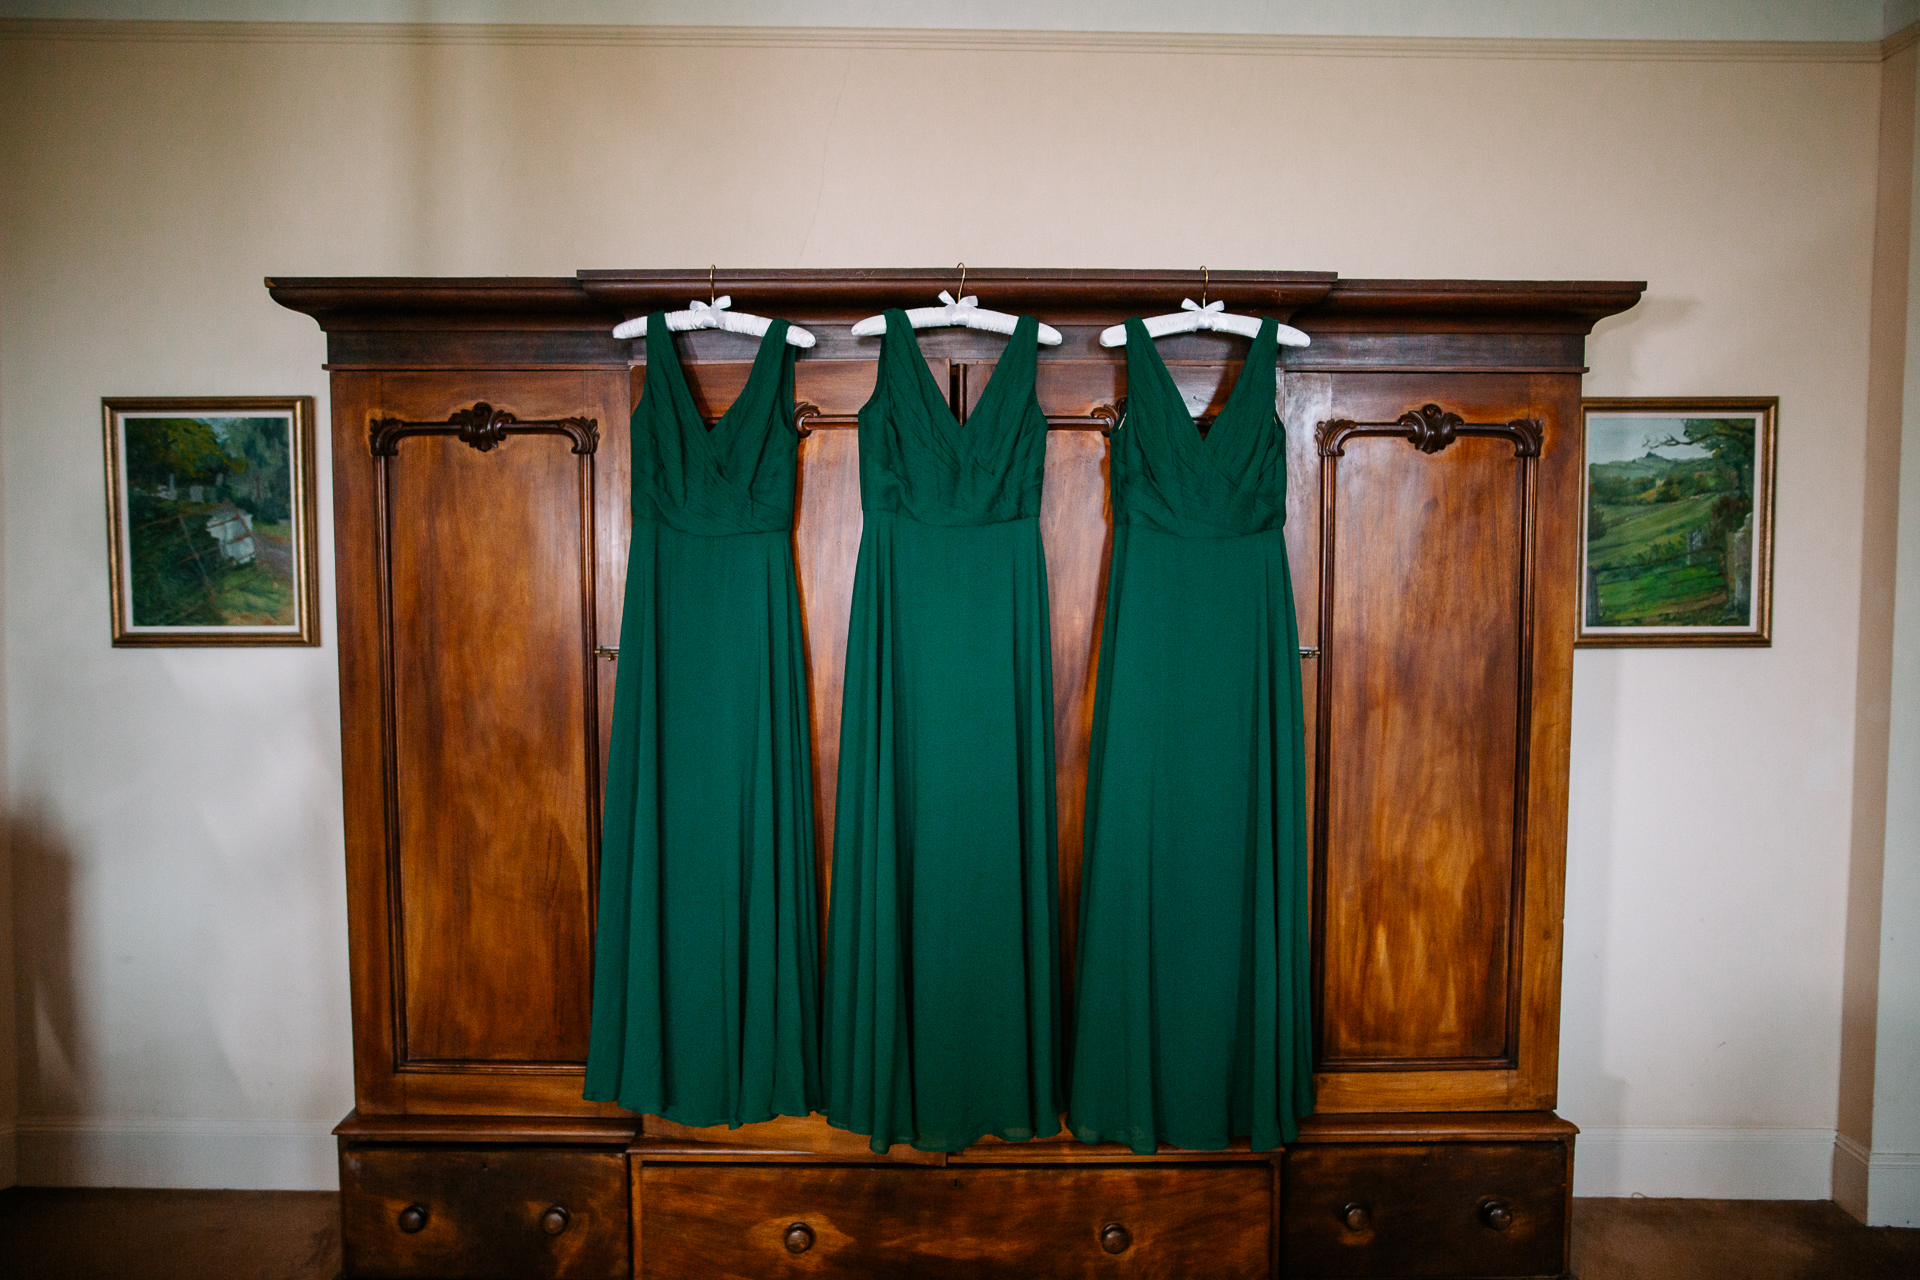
point(707, 923)
point(942, 1020)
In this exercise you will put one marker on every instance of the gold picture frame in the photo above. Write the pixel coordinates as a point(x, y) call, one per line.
point(1676, 521)
point(211, 530)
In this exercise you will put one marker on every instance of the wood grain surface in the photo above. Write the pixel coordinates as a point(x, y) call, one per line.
point(479, 1211)
point(489, 718)
point(1423, 664)
point(733, 1221)
point(1437, 1209)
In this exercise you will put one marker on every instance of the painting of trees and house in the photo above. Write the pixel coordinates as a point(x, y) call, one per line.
point(1670, 521)
point(209, 512)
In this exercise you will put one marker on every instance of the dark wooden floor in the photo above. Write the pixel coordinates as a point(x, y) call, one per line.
point(1750, 1239)
point(75, 1234)
point(295, 1235)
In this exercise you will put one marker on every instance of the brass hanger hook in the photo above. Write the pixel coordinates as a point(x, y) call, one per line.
point(963, 282)
point(1205, 279)
point(712, 293)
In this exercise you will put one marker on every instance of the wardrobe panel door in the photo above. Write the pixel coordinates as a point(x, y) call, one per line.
point(486, 557)
point(1427, 657)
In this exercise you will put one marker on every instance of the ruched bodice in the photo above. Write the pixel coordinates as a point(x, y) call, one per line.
point(916, 460)
point(734, 477)
point(1167, 476)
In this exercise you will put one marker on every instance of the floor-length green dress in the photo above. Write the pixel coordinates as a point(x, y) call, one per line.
point(706, 959)
point(1192, 1013)
point(941, 1009)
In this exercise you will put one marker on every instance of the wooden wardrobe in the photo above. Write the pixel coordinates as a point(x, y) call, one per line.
point(480, 462)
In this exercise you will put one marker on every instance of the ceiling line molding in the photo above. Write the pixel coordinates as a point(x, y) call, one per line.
point(913, 39)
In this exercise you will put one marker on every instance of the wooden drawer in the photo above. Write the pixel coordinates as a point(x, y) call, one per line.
point(759, 1221)
point(481, 1213)
point(1444, 1209)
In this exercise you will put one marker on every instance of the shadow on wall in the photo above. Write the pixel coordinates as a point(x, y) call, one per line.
point(53, 1054)
point(1653, 319)
point(1590, 1095)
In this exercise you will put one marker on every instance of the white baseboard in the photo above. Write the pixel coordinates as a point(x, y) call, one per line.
point(1708, 1164)
point(1894, 1200)
point(1880, 1188)
point(249, 1155)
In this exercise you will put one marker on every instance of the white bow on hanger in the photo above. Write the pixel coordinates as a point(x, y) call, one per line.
point(963, 313)
point(1213, 316)
point(715, 315)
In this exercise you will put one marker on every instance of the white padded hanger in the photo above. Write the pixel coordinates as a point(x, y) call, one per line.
point(715, 313)
point(1215, 317)
point(1212, 316)
point(960, 313)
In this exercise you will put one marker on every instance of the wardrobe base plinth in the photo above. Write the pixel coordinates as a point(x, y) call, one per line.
point(1434, 1196)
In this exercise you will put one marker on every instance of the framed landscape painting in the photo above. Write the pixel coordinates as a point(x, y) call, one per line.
point(1676, 542)
point(210, 521)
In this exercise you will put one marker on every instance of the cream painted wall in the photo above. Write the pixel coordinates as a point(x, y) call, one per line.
point(183, 1011)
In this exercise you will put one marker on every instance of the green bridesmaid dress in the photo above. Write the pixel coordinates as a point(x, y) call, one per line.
point(1192, 1014)
point(706, 959)
point(941, 1008)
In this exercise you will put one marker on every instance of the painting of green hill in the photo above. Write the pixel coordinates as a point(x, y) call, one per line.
point(1669, 531)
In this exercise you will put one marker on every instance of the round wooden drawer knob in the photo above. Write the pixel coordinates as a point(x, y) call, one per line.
point(413, 1218)
point(1496, 1215)
point(1115, 1238)
point(555, 1220)
point(1357, 1217)
point(799, 1238)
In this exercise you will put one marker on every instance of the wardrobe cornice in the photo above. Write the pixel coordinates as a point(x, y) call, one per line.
point(1311, 299)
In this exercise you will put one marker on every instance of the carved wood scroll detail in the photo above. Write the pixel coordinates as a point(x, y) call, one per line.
point(1429, 429)
point(484, 427)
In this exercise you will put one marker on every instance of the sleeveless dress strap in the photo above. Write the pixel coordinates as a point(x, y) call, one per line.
point(1150, 388)
point(1022, 356)
point(769, 389)
point(1257, 376)
point(663, 366)
point(897, 343)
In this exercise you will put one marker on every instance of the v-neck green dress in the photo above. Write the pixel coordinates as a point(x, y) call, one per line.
point(1192, 1014)
point(941, 1007)
point(705, 963)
